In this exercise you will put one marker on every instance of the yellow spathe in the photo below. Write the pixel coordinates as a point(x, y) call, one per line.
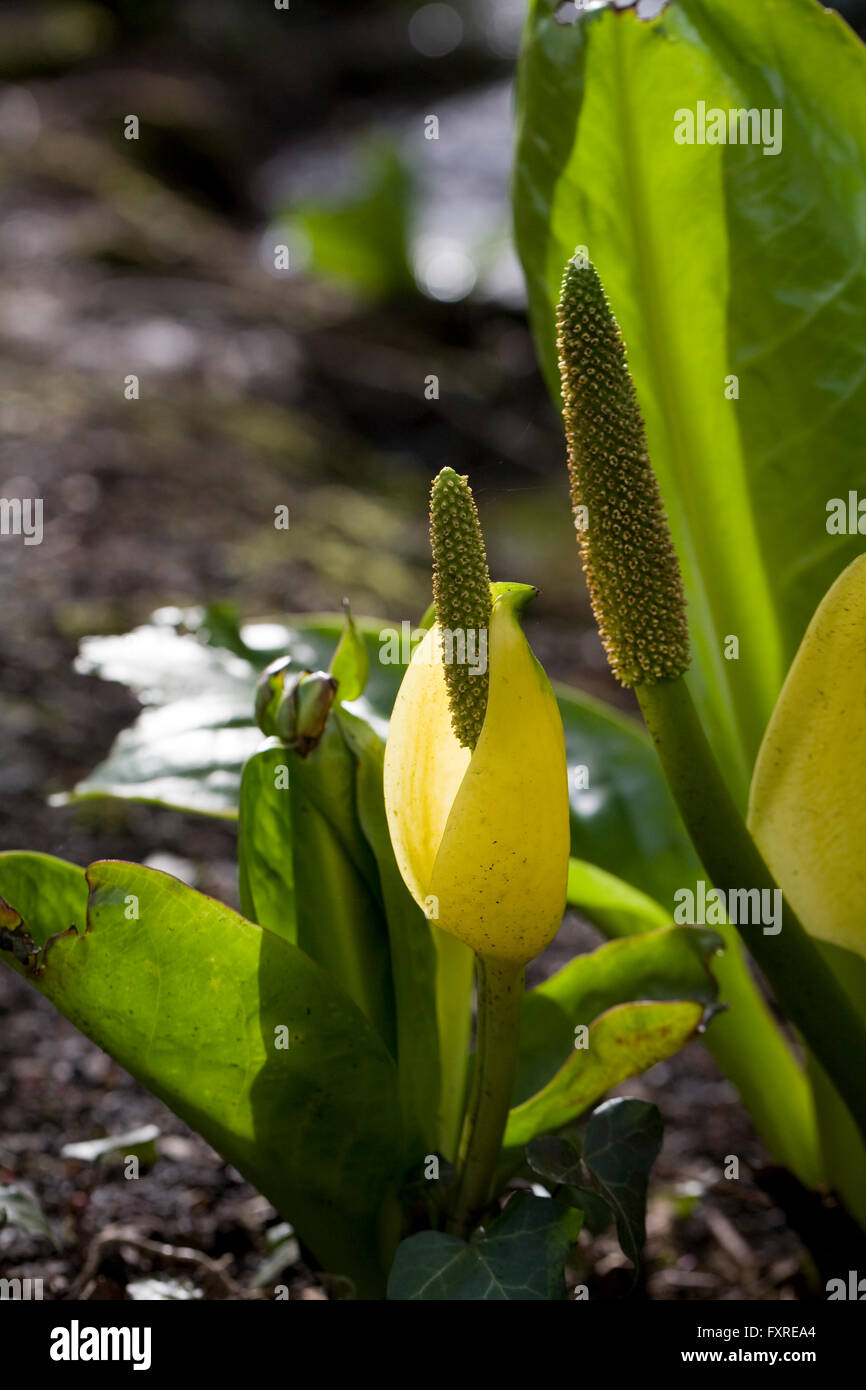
point(807, 808)
point(483, 833)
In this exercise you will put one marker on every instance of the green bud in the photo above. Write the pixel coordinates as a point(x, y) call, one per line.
point(269, 692)
point(303, 714)
point(294, 705)
point(461, 594)
point(628, 555)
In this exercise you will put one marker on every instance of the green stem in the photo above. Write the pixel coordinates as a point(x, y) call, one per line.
point(802, 981)
point(454, 1017)
point(500, 993)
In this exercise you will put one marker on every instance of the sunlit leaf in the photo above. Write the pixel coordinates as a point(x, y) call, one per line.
point(625, 1041)
point(350, 664)
point(728, 267)
point(672, 963)
point(238, 1031)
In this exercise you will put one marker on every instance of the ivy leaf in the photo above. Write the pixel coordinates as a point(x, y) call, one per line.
point(621, 1143)
point(520, 1256)
point(557, 1162)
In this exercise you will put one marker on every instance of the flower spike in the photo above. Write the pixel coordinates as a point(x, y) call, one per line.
point(628, 556)
point(461, 592)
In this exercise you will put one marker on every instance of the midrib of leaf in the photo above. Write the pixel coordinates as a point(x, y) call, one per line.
point(741, 709)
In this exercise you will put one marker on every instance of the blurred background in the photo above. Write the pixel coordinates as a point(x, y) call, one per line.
point(304, 257)
point(394, 343)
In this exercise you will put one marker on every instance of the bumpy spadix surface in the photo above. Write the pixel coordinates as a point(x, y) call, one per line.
point(461, 592)
point(484, 834)
point(628, 556)
point(807, 808)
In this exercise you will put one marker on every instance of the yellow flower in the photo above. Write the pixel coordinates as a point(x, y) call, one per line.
point(807, 813)
point(482, 836)
point(807, 809)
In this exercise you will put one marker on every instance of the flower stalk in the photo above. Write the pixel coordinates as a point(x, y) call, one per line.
point(637, 595)
point(500, 992)
point(802, 981)
point(476, 794)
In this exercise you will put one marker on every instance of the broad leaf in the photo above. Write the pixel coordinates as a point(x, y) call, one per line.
point(338, 905)
point(557, 1162)
point(623, 1042)
point(187, 747)
point(425, 1043)
point(265, 861)
point(745, 1040)
point(236, 1030)
point(720, 261)
point(519, 1256)
point(316, 865)
point(669, 964)
point(613, 905)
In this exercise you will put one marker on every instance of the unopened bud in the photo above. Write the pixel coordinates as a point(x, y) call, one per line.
point(303, 713)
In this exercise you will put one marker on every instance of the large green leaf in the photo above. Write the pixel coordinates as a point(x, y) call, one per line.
point(625, 1041)
point(266, 869)
point(196, 680)
point(617, 908)
point(316, 865)
point(745, 1040)
point(338, 903)
point(519, 1256)
point(718, 259)
point(669, 964)
point(428, 1046)
point(192, 1000)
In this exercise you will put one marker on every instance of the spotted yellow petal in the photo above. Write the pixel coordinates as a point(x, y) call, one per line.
point(807, 809)
point(500, 874)
point(424, 766)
